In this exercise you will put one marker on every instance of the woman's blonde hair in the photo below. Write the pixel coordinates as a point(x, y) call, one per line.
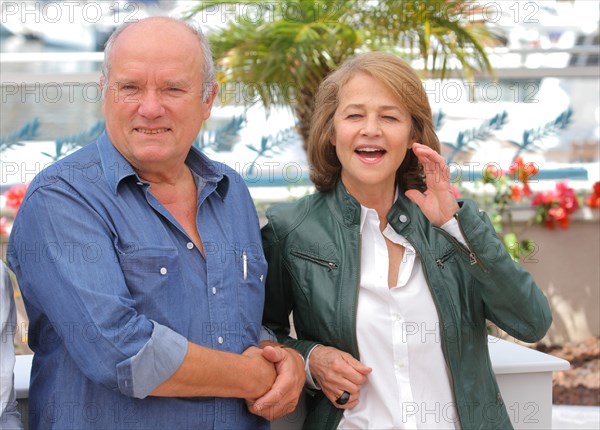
point(403, 83)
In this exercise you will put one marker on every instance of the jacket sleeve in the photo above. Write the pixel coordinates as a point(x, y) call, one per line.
point(512, 300)
point(279, 299)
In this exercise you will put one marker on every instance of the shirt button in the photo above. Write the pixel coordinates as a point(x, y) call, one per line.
point(163, 270)
point(190, 245)
point(220, 340)
point(214, 290)
point(403, 218)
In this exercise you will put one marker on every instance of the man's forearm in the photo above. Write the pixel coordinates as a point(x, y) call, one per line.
point(212, 373)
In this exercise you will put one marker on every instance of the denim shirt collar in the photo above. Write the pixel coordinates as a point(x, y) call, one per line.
point(117, 168)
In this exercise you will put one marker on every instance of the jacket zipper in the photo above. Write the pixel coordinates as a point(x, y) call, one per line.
point(325, 263)
point(440, 261)
point(473, 260)
point(437, 309)
point(472, 257)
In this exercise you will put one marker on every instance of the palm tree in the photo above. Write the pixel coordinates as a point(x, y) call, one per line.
point(277, 53)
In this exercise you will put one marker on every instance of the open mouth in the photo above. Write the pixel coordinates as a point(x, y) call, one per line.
point(370, 154)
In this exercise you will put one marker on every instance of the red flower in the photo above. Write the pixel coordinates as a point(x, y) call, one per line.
point(3, 226)
point(514, 167)
point(491, 173)
point(567, 199)
point(559, 215)
point(523, 171)
point(543, 198)
point(593, 200)
point(554, 207)
point(516, 193)
point(14, 196)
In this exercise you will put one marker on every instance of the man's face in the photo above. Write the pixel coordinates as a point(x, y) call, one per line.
point(153, 104)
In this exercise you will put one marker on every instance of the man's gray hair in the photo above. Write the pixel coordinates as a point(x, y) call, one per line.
point(208, 64)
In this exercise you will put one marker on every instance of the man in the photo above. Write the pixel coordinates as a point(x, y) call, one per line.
point(140, 261)
point(10, 418)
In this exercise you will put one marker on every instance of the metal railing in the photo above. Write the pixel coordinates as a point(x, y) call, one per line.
point(508, 63)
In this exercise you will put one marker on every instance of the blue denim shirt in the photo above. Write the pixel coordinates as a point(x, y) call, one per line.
point(114, 288)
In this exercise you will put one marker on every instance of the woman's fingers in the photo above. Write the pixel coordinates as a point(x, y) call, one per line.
point(338, 372)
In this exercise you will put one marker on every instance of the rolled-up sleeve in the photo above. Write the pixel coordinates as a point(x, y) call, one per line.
point(158, 359)
point(64, 255)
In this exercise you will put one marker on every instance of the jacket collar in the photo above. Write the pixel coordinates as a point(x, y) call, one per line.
point(402, 213)
point(348, 209)
point(344, 206)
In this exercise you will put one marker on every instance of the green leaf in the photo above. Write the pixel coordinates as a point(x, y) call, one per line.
point(302, 41)
point(496, 222)
point(511, 243)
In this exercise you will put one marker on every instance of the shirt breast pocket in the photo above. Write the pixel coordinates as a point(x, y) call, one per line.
point(251, 271)
point(152, 275)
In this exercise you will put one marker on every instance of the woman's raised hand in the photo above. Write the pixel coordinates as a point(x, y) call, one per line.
point(438, 204)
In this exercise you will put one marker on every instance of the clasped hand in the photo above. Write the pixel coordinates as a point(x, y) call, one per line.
point(283, 376)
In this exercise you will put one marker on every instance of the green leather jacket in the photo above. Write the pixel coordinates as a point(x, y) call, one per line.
point(313, 249)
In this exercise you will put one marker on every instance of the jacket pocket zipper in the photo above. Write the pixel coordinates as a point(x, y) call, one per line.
point(325, 263)
point(472, 257)
point(441, 260)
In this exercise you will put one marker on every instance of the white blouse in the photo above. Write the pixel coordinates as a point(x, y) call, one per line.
point(398, 330)
point(399, 338)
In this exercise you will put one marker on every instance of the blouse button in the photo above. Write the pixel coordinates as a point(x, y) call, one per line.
point(402, 218)
point(163, 270)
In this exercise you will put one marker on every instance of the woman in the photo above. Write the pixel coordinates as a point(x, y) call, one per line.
point(390, 287)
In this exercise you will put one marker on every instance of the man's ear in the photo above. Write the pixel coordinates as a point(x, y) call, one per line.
point(210, 93)
point(208, 97)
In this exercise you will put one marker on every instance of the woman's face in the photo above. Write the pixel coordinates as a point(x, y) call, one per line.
point(372, 135)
